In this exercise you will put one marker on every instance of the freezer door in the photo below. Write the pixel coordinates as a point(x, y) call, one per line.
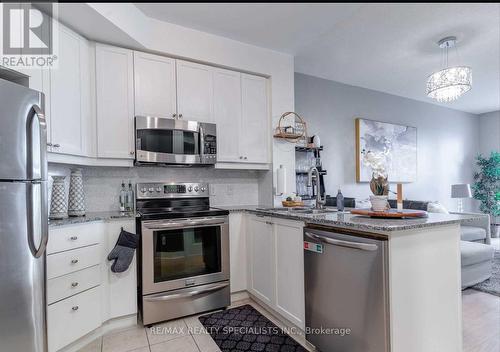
point(23, 236)
point(23, 136)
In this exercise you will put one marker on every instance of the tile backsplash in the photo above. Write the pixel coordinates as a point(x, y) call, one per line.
point(227, 187)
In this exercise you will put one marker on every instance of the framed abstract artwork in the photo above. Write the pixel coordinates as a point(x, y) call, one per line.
point(395, 145)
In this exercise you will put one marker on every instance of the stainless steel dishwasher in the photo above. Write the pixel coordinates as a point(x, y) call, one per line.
point(346, 288)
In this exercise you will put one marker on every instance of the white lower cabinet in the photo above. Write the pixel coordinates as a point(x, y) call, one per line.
point(289, 253)
point(237, 252)
point(73, 318)
point(261, 245)
point(276, 265)
point(119, 289)
point(71, 284)
point(70, 261)
point(82, 292)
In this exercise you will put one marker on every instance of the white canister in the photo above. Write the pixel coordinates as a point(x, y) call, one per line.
point(76, 205)
point(379, 203)
point(58, 203)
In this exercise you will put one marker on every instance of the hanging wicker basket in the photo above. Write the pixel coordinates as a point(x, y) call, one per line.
point(291, 127)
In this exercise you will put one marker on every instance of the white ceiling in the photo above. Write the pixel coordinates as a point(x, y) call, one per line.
point(385, 47)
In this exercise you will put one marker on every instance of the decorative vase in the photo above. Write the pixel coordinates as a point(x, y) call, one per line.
point(58, 204)
point(379, 203)
point(495, 230)
point(76, 196)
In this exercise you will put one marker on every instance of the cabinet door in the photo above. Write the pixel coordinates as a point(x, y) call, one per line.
point(255, 138)
point(237, 252)
point(261, 248)
point(115, 102)
point(194, 91)
point(290, 271)
point(227, 114)
point(65, 93)
point(154, 81)
point(120, 298)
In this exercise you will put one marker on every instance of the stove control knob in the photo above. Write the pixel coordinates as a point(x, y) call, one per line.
point(143, 190)
point(203, 189)
point(190, 189)
point(196, 188)
point(151, 189)
point(158, 189)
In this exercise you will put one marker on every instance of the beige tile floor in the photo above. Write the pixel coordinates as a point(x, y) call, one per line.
point(182, 335)
point(481, 325)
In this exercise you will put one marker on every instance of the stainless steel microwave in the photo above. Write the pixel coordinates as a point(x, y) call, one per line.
point(173, 141)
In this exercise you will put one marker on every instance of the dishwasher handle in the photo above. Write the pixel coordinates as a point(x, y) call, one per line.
point(356, 245)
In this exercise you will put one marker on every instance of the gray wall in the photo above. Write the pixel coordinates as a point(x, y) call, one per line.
point(227, 187)
point(447, 140)
point(489, 132)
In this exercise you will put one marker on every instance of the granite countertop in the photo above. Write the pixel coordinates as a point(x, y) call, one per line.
point(93, 216)
point(357, 222)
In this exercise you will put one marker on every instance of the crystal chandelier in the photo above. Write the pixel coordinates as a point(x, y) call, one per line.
point(451, 82)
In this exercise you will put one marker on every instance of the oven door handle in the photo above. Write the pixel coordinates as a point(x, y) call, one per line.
point(183, 223)
point(191, 293)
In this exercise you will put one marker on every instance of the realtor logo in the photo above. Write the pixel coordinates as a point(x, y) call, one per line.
point(29, 37)
point(26, 30)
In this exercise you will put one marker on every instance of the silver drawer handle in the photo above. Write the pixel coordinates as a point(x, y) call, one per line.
point(73, 238)
point(342, 243)
point(74, 261)
point(74, 284)
point(75, 308)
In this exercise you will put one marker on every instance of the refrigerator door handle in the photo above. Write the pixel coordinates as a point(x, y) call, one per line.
point(42, 210)
point(41, 149)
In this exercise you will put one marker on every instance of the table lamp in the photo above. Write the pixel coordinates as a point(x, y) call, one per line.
point(461, 191)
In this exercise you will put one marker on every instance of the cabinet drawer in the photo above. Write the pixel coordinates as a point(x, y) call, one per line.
point(70, 261)
point(75, 236)
point(71, 284)
point(72, 318)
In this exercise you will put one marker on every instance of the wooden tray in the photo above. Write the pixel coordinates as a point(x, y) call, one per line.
point(392, 213)
point(292, 204)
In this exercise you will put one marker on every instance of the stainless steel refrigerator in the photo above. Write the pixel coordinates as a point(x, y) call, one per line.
point(23, 219)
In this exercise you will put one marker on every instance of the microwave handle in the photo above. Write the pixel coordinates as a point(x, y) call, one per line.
point(202, 141)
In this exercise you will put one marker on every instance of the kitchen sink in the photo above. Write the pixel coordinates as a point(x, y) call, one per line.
point(300, 210)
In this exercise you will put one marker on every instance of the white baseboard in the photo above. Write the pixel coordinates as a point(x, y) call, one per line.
point(116, 324)
point(239, 296)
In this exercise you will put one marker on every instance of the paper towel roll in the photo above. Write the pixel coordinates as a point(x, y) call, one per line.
point(281, 181)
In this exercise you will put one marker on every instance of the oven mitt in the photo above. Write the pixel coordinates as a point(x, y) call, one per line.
point(123, 253)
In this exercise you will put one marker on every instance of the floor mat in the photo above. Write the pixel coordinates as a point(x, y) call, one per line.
point(245, 329)
point(492, 285)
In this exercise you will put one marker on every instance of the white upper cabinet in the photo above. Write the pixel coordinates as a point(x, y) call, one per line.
point(194, 91)
point(255, 138)
point(115, 102)
point(227, 114)
point(65, 92)
point(155, 88)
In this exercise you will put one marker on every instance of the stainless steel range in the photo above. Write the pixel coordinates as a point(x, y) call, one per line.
point(184, 255)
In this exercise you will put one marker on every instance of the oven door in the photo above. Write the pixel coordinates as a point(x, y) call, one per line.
point(167, 141)
point(179, 253)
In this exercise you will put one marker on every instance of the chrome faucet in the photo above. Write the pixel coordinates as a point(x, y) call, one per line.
point(319, 202)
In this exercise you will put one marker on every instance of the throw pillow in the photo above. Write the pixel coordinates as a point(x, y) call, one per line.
point(436, 207)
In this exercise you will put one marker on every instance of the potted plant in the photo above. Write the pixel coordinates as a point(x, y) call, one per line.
point(379, 184)
point(486, 188)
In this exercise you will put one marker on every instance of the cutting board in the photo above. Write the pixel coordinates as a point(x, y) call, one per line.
point(391, 213)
